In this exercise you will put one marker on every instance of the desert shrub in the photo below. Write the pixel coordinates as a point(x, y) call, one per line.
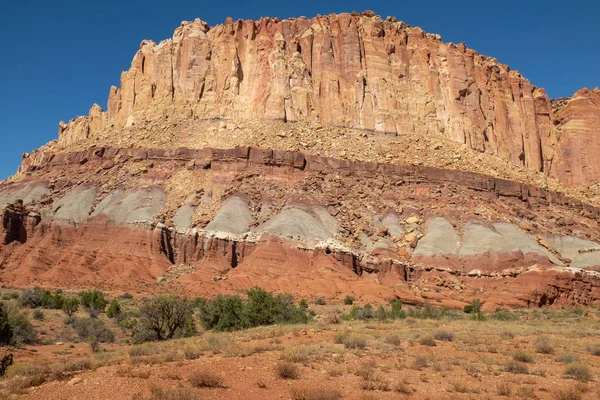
point(32, 298)
point(93, 330)
point(427, 341)
point(504, 315)
point(543, 346)
point(397, 312)
point(93, 301)
point(187, 330)
point(163, 316)
point(126, 296)
point(38, 315)
point(420, 362)
point(503, 389)
point(320, 301)
point(474, 308)
point(287, 370)
point(36, 297)
point(176, 393)
point(23, 332)
point(304, 393)
point(444, 335)
point(6, 332)
point(381, 314)
point(224, 313)
point(523, 357)
point(579, 372)
point(231, 313)
point(303, 304)
point(206, 379)
point(350, 341)
point(567, 358)
point(569, 394)
point(425, 312)
point(595, 350)
point(348, 300)
point(516, 367)
point(114, 309)
point(70, 306)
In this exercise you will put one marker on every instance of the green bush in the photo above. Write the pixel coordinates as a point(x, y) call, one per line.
point(303, 304)
point(93, 330)
point(381, 314)
point(6, 332)
point(93, 302)
point(23, 332)
point(349, 300)
point(397, 312)
point(114, 309)
point(36, 297)
point(70, 306)
point(224, 313)
point(230, 313)
point(38, 315)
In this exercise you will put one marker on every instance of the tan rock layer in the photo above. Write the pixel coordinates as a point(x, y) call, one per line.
point(352, 70)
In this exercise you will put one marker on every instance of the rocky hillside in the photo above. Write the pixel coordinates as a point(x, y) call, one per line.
point(324, 157)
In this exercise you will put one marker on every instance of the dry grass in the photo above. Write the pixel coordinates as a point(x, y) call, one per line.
point(176, 393)
point(206, 379)
point(543, 346)
point(579, 372)
point(302, 393)
point(287, 370)
point(569, 394)
point(427, 341)
point(350, 341)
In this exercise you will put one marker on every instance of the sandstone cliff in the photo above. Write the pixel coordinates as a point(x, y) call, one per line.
point(351, 70)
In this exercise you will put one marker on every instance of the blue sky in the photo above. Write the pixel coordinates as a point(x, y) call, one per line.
point(59, 57)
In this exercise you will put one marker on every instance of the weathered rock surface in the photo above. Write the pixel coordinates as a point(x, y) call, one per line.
point(355, 71)
point(576, 154)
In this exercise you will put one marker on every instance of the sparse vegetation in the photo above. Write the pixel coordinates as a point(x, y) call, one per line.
point(579, 372)
point(427, 341)
point(523, 357)
point(231, 313)
point(515, 367)
point(543, 346)
point(93, 301)
point(93, 330)
point(206, 379)
point(444, 336)
point(320, 302)
point(287, 370)
point(302, 393)
point(70, 306)
point(350, 341)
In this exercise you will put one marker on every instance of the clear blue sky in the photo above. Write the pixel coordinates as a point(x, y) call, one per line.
point(59, 57)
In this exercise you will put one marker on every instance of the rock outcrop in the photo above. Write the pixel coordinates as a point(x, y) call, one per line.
point(352, 70)
point(323, 157)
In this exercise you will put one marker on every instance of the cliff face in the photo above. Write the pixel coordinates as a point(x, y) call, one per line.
point(350, 70)
point(578, 126)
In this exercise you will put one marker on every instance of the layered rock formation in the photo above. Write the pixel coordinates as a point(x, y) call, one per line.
point(401, 166)
point(355, 71)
